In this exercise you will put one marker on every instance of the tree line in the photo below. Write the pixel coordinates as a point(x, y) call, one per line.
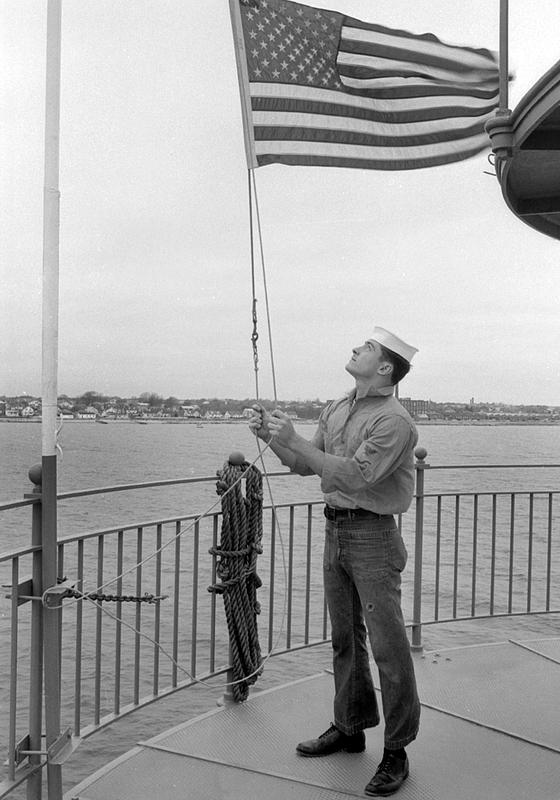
point(306, 409)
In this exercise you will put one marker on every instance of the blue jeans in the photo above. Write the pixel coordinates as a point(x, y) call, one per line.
point(362, 566)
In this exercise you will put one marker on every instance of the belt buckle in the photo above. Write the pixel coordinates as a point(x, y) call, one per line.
point(331, 513)
point(335, 514)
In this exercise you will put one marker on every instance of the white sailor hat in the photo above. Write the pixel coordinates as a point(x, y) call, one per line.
point(392, 342)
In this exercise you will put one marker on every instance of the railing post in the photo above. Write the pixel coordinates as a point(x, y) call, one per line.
point(52, 622)
point(420, 454)
point(34, 782)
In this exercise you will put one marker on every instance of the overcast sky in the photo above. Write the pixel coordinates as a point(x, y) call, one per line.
point(155, 282)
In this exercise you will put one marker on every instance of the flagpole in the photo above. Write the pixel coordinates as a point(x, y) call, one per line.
point(243, 78)
point(51, 230)
point(51, 227)
point(498, 127)
point(504, 69)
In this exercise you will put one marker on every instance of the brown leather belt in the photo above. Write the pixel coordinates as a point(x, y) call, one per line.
point(335, 514)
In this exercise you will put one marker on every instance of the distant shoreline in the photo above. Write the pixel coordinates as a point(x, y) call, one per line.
point(195, 421)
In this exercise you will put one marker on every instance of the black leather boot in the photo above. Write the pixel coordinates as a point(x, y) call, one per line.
point(332, 741)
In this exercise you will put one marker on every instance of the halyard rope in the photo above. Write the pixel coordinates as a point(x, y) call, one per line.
point(242, 517)
point(249, 677)
point(253, 196)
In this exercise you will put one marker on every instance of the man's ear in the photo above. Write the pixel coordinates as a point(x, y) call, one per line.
point(385, 368)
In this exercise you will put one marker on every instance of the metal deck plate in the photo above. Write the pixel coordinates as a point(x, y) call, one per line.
point(501, 686)
point(247, 751)
point(166, 776)
point(547, 647)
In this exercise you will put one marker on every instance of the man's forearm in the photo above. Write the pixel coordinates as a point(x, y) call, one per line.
point(301, 456)
point(306, 452)
point(286, 456)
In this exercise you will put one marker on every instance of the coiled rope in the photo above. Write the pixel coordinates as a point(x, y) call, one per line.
point(237, 553)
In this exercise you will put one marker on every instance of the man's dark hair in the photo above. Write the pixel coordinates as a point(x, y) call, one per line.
point(400, 365)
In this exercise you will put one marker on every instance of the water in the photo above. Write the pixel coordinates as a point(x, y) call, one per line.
point(95, 455)
point(125, 452)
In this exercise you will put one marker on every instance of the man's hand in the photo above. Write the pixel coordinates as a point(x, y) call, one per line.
point(259, 423)
point(296, 453)
point(281, 428)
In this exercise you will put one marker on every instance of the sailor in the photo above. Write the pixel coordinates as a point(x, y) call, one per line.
point(363, 452)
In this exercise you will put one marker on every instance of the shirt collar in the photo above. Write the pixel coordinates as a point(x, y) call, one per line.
point(383, 391)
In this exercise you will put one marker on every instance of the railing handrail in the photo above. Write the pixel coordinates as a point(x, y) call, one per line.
point(19, 503)
point(490, 493)
point(24, 551)
point(120, 487)
point(124, 487)
point(424, 466)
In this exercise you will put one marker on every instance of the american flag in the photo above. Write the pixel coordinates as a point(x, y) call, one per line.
point(319, 88)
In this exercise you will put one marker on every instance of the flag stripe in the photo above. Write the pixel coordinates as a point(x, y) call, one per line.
point(408, 47)
point(283, 97)
point(311, 134)
point(418, 86)
point(333, 91)
point(355, 163)
point(359, 64)
point(320, 127)
point(395, 88)
point(289, 152)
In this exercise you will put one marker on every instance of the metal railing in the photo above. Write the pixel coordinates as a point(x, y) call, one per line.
point(137, 622)
point(481, 554)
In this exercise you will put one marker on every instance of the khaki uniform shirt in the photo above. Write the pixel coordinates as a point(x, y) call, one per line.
point(369, 450)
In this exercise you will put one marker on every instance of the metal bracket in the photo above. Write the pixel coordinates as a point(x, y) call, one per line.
point(22, 749)
point(52, 597)
point(24, 591)
point(62, 748)
point(59, 751)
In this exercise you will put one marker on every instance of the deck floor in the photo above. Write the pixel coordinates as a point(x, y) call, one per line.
point(490, 729)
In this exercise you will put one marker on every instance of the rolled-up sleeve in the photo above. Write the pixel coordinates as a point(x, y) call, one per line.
point(387, 445)
point(318, 441)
